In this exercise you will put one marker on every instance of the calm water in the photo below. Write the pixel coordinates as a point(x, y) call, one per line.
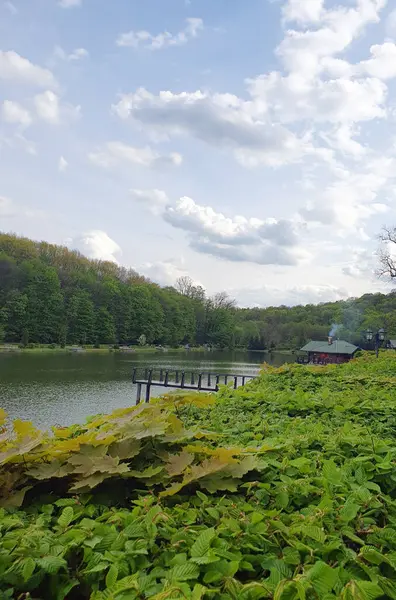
point(62, 389)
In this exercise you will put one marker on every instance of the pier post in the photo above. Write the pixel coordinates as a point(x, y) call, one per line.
point(148, 386)
point(138, 393)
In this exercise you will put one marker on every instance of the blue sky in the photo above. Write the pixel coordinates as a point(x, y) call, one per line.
point(248, 144)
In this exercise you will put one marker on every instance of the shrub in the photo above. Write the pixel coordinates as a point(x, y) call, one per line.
point(281, 489)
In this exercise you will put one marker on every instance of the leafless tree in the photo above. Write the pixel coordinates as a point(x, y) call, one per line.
point(185, 286)
point(387, 262)
point(223, 300)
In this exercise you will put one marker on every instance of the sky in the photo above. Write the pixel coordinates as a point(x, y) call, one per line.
point(249, 144)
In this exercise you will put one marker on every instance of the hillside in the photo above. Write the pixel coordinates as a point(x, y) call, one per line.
point(283, 489)
point(52, 295)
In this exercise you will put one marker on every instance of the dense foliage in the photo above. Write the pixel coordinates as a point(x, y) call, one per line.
point(51, 295)
point(283, 489)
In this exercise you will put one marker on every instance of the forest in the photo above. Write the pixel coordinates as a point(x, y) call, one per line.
point(50, 294)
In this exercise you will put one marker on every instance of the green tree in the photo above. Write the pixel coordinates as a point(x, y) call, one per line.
point(220, 327)
point(15, 316)
point(105, 329)
point(146, 315)
point(44, 301)
point(81, 318)
point(25, 338)
point(63, 334)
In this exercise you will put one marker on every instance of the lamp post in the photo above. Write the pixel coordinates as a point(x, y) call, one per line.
point(378, 337)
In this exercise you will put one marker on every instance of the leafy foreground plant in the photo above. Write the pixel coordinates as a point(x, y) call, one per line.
point(298, 470)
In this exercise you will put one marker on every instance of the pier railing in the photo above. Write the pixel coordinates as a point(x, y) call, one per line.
point(186, 380)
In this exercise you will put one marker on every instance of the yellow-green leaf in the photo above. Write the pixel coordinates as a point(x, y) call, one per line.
point(112, 576)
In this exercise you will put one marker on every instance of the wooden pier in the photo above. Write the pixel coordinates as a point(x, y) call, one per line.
point(184, 380)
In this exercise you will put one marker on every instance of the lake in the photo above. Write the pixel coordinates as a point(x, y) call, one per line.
point(62, 389)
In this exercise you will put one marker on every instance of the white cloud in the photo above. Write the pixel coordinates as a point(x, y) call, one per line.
point(341, 139)
point(269, 295)
point(69, 3)
point(265, 253)
point(96, 244)
point(75, 55)
point(204, 220)
point(50, 109)
point(18, 69)
point(361, 263)
point(136, 39)
point(340, 100)
point(315, 89)
point(303, 51)
point(18, 141)
point(115, 154)
point(154, 200)
point(254, 129)
point(13, 112)
point(303, 11)
point(62, 164)
point(352, 199)
point(165, 273)
point(237, 239)
point(222, 120)
point(47, 107)
point(391, 24)
point(382, 63)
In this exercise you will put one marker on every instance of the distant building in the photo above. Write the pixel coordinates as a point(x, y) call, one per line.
point(329, 352)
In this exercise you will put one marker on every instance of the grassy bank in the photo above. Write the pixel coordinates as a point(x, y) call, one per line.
point(49, 348)
point(109, 348)
point(282, 489)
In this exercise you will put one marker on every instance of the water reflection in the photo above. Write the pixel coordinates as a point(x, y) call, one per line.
point(63, 389)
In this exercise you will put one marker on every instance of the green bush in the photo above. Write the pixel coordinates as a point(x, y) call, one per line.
point(282, 489)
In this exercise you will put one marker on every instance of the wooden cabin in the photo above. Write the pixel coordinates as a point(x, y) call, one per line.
point(329, 352)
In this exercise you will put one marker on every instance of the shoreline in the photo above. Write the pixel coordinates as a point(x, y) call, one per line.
point(108, 349)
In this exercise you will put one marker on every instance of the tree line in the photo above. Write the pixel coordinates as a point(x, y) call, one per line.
point(52, 295)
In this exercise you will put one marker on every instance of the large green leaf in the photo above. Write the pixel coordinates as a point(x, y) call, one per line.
point(203, 542)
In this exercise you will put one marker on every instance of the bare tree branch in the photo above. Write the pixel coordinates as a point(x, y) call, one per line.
point(223, 300)
point(387, 264)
